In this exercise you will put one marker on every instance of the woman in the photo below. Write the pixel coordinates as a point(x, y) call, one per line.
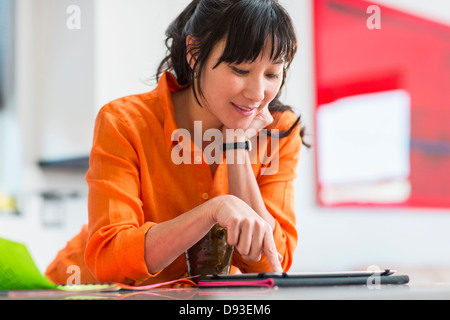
point(226, 65)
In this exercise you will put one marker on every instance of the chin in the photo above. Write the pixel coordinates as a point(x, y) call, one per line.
point(238, 126)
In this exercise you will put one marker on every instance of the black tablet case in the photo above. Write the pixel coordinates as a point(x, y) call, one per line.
point(286, 280)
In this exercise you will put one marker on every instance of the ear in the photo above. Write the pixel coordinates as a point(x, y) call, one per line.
point(192, 45)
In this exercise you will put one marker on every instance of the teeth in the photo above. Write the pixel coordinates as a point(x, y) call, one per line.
point(242, 108)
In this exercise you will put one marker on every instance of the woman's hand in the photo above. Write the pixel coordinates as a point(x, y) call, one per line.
point(250, 234)
point(261, 121)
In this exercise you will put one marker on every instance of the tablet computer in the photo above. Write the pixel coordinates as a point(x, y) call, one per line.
point(304, 279)
point(301, 275)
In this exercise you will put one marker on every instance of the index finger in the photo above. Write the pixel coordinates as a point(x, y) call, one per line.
point(270, 250)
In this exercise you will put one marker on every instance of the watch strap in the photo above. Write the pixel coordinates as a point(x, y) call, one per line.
point(247, 145)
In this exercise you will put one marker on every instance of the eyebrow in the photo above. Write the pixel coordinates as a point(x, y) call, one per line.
point(280, 61)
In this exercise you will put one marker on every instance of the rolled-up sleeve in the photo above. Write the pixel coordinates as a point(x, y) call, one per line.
point(115, 250)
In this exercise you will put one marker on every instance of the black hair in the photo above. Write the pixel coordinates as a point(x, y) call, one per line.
point(246, 25)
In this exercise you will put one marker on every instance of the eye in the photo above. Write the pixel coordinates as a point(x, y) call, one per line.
point(241, 72)
point(273, 76)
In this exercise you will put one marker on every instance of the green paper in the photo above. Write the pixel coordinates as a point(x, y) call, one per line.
point(17, 269)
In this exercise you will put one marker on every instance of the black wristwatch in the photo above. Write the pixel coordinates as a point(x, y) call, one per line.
point(247, 145)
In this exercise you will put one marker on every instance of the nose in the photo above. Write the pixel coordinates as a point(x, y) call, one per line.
point(255, 89)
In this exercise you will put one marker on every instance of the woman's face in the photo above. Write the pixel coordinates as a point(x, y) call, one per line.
point(236, 93)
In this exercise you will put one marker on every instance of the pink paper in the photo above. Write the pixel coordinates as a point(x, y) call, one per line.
point(269, 283)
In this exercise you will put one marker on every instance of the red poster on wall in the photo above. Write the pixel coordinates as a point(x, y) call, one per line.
point(383, 106)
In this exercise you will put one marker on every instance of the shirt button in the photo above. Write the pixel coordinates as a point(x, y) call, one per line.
point(205, 196)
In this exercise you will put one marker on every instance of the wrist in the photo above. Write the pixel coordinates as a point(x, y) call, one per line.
point(220, 203)
point(215, 205)
point(233, 135)
point(237, 156)
point(235, 146)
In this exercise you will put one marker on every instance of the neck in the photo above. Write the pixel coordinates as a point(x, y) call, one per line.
point(187, 111)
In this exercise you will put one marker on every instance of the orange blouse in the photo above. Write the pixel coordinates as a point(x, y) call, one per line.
point(134, 184)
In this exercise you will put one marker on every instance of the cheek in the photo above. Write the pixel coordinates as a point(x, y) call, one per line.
point(222, 90)
point(271, 91)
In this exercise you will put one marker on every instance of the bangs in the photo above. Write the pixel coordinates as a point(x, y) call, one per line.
point(255, 28)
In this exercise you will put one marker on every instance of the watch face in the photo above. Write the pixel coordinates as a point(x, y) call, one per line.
point(248, 145)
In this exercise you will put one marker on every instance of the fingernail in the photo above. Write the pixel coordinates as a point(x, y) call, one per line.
point(280, 257)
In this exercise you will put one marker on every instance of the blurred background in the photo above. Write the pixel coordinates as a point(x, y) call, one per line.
point(371, 85)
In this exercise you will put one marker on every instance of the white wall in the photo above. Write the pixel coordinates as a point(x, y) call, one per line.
point(128, 45)
point(65, 79)
point(44, 97)
point(9, 135)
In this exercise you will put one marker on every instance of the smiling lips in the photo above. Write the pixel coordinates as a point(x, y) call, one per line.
point(245, 111)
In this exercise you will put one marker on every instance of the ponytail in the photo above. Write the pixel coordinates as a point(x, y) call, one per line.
point(176, 34)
